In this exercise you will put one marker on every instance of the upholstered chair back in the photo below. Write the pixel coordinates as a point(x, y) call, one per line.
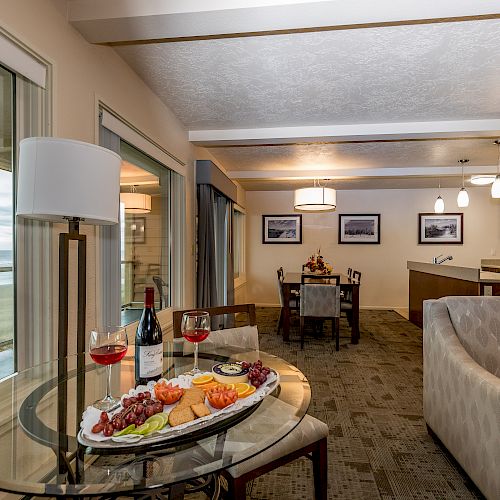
point(321, 301)
point(476, 321)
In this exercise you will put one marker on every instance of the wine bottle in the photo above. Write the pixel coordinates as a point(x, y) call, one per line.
point(148, 343)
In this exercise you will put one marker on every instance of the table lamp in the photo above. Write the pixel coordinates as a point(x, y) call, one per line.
point(62, 180)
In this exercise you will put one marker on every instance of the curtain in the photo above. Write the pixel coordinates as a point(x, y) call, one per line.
point(36, 339)
point(215, 277)
point(206, 275)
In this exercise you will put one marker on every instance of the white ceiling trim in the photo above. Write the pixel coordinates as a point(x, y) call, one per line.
point(359, 172)
point(352, 132)
point(116, 21)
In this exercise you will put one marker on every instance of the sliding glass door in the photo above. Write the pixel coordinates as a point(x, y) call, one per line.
point(7, 289)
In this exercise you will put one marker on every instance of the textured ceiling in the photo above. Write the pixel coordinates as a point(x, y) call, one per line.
point(433, 153)
point(430, 73)
point(443, 71)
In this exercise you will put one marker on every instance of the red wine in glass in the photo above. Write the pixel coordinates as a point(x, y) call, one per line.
point(195, 328)
point(107, 347)
point(198, 335)
point(108, 354)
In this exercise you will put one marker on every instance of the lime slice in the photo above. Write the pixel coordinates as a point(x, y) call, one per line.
point(157, 419)
point(127, 430)
point(153, 426)
point(142, 429)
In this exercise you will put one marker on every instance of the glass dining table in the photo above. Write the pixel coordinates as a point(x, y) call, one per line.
point(41, 412)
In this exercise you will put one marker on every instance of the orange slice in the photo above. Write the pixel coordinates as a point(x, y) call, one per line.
point(241, 388)
point(248, 393)
point(208, 385)
point(203, 379)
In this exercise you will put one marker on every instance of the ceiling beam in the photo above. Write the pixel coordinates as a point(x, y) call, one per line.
point(124, 22)
point(463, 129)
point(359, 172)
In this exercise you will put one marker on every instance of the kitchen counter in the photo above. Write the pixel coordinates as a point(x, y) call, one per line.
point(433, 281)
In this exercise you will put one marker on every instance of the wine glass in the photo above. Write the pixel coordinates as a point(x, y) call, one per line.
point(195, 328)
point(107, 347)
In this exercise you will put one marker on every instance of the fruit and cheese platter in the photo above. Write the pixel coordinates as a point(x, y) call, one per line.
point(162, 410)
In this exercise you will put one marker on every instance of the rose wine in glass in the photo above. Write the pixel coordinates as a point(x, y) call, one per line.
point(195, 328)
point(108, 347)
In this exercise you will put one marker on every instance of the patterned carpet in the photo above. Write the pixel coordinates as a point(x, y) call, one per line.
point(371, 397)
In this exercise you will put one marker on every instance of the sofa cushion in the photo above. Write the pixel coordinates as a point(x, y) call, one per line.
point(476, 321)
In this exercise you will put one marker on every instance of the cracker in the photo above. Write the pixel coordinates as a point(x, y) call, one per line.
point(200, 410)
point(180, 416)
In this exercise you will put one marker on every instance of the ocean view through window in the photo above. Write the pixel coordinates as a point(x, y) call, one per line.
point(6, 226)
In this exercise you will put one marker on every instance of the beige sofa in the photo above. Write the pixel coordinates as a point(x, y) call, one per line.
point(461, 344)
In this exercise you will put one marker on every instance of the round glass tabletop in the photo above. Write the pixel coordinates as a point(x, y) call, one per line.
point(40, 418)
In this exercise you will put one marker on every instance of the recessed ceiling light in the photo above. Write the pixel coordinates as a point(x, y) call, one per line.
point(482, 180)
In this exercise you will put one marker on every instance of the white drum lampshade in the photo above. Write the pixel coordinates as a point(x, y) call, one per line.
point(315, 199)
point(136, 203)
point(62, 178)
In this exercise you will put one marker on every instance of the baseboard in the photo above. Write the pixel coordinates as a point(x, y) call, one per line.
point(377, 308)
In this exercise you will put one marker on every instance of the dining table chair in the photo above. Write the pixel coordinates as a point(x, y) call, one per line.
point(293, 302)
point(320, 301)
point(307, 439)
point(346, 300)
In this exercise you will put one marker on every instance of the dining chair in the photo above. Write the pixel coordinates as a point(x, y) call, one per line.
point(320, 301)
point(162, 290)
point(346, 301)
point(293, 302)
point(307, 439)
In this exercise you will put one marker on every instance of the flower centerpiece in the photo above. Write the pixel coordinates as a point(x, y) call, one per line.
point(316, 264)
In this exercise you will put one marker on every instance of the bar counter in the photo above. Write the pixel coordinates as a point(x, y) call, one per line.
point(433, 281)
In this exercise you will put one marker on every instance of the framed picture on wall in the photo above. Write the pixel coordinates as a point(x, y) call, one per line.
point(441, 229)
point(282, 229)
point(359, 228)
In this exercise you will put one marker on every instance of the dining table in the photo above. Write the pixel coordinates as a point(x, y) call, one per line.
point(42, 450)
point(348, 285)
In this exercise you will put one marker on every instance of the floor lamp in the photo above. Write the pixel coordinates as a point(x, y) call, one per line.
point(62, 180)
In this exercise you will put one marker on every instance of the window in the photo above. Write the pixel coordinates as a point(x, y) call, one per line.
point(145, 247)
point(239, 242)
point(7, 286)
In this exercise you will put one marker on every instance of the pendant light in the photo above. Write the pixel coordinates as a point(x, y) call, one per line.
point(136, 203)
point(463, 195)
point(439, 205)
point(495, 187)
point(316, 199)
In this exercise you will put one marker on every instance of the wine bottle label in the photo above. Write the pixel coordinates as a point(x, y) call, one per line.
point(150, 360)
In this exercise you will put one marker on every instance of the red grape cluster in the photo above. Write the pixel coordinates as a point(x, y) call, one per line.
point(136, 409)
point(257, 374)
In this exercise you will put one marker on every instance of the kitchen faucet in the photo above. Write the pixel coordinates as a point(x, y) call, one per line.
point(437, 260)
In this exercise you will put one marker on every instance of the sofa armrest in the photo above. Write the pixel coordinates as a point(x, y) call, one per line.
point(461, 400)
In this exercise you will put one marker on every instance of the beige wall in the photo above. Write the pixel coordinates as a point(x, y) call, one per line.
point(83, 75)
point(383, 267)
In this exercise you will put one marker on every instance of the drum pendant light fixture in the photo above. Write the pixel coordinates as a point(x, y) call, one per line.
point(136, 203)
point(463, 195)
point(495, 187)
point(439, 204)
point(315, 199)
